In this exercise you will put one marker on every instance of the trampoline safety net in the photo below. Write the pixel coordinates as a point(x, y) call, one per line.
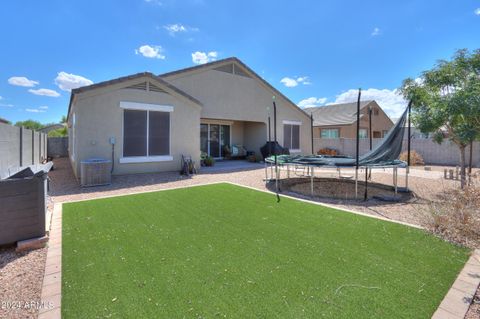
point(384, 154)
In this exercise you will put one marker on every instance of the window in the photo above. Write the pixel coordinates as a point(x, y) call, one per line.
point(362, 133)
point(291, 136)
point(330, 133)
point(376, 112)
point(146, 134)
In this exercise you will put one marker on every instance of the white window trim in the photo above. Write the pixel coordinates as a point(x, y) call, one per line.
point(153, 158)
point(145, 106)
point(292, 122)
point(330, 129)
point(146, 159)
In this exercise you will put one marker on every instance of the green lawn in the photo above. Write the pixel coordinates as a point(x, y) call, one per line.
point(225, 251)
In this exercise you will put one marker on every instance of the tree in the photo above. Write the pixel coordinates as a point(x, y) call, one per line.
point(61, 132)
point(447, 98)
point(30, 124)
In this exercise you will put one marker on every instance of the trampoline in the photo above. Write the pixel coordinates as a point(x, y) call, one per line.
point(383, 156)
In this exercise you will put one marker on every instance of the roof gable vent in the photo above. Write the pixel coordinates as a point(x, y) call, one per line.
point(153, 88)
point(228, 68)
point(138, 86)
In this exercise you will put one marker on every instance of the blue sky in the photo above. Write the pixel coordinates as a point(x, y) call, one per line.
point(315, 52)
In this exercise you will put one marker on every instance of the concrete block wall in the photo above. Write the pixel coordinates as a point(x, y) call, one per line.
point(20, 147)
point(433, 153)
point(57, 146)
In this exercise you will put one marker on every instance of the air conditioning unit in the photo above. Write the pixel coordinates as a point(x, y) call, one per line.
point(95, 172)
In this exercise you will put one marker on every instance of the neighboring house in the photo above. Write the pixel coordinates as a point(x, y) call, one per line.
point(153, 120)
point(2, 120)
point(49, 128)
point(340, 120)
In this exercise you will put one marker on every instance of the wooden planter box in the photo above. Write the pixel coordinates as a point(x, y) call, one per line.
point(22, 208)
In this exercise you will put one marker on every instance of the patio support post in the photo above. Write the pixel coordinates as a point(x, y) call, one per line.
point(358, 141)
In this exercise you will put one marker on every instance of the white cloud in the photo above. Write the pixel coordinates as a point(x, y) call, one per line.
point(22, 81)
point(1, 98)
point(45, 92)
point(292, 82)
point(391, 101)
point(67, 81)
point(43, 107)
point(6, 105)
point(312, 102)
point(151, 51)
point(477, 11)
point(376, 31)
point(202, 57)
point(173, 29)
point(35, 110)
point(155, 2)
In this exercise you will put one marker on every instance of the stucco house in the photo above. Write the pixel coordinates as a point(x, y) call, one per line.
point(146, 122)
point(340, 120)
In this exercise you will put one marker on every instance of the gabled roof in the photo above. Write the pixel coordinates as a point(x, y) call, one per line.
point(336, 114)
point(128, 78)
point(52, 127)
point(213, 64)
point(2, 120)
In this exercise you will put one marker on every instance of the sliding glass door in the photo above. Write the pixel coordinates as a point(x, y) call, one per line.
point(214, 138)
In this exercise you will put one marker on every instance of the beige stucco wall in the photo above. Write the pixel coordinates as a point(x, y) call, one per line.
point(233, 97)
point(99, 117)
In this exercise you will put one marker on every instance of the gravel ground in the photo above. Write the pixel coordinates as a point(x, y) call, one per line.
point(18, 284)
point(474, 311)
point(21, 276)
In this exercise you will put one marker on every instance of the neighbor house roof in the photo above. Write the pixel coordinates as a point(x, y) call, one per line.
point(2, 120)
point(128, 78)
point(336, 114)
point(50, 128)
point(244, 66)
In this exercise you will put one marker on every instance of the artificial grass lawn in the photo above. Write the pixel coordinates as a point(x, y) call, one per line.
point(226, 251)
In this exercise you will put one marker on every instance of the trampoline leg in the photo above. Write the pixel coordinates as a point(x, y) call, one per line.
point(271, 171)
point(311, 182)
point(288, 171)
point(406, 177)
point(266, 174)
point(356, 183)
point(395, 180)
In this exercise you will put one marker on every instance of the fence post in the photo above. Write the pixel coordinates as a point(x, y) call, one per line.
point(33, 147)
point(21, 147)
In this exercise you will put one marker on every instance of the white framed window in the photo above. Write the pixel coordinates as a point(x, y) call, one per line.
point(291, 135)
point(146, 132)
point(362, 133)
point(330, 133)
